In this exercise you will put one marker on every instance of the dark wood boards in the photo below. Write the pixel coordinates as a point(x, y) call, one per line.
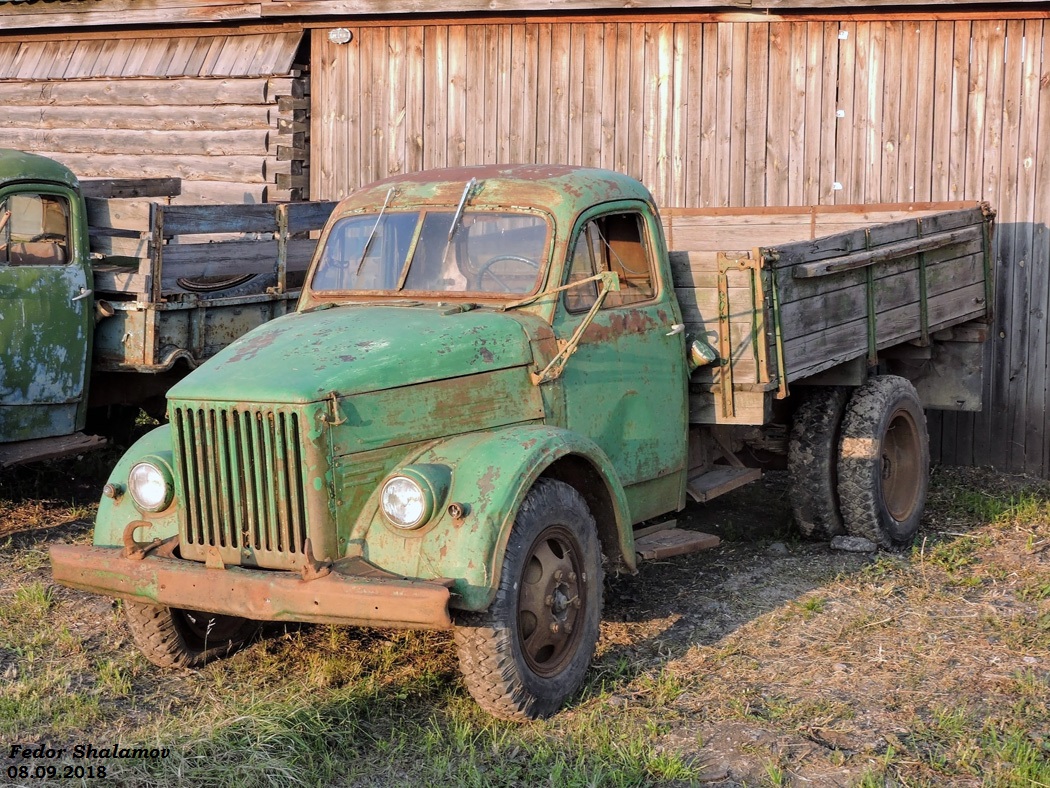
point(198, 241)
point(838, 296)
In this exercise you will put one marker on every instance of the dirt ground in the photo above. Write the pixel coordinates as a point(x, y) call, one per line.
point(766, 661)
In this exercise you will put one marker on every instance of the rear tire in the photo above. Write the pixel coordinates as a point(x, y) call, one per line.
point(173, 638)
point(884, 462)
point(813, 451)
point(530, 651)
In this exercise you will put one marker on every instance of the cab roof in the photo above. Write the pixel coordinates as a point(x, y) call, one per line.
point(562, 190)
point(18, 166)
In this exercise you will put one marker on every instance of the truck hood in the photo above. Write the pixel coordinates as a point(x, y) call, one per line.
point(357, 348)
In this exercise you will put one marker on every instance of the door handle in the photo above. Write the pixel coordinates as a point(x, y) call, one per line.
point(84, 293)
point(677, 328)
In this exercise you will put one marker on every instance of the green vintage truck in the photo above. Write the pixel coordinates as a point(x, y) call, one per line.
point(496, 379)
point(107, 298)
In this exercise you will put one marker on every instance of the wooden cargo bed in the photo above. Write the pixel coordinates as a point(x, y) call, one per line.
point(180, 282)
point(785, 294)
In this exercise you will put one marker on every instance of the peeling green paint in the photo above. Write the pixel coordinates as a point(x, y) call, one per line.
point(45, 322)
point(380, 384)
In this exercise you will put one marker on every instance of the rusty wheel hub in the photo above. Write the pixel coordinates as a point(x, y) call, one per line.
point(551, 601)
point(901, 467)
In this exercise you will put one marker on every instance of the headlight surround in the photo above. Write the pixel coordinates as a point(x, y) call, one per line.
point(151, 485)
point(411, 496)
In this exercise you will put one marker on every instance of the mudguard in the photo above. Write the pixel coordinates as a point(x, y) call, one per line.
point(491, 472)
point(115, 513)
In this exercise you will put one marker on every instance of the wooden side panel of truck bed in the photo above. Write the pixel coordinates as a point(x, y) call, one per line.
point(814, 288)
point(181, 282)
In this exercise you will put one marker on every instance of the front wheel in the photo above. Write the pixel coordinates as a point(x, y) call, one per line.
point(530, 651)
point(884, 462)
point(173, 638)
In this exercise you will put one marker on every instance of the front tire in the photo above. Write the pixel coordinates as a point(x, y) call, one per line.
point(173, 638)
point(884, 462)
point(530, 651)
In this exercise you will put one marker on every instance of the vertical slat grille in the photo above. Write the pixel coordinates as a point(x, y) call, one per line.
point(241, 475)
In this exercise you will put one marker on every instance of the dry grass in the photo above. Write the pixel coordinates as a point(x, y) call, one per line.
point(765, 662)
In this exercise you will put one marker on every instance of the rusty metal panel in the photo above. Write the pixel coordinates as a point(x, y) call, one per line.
point(353, 593)
point(243, 477)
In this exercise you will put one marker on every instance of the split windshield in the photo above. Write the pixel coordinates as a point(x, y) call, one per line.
point(420, 252)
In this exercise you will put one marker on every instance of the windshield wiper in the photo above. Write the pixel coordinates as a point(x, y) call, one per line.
point(456, 217)
point(372, 235)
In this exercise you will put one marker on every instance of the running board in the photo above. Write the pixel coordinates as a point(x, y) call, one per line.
point(48, 448)
point(669, 541)
point(706, 486)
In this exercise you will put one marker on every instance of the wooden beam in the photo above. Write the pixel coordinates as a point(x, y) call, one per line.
point(224, 117)
point(131, 187)
point(242, 169)
point(122, 141)
point(140, 92)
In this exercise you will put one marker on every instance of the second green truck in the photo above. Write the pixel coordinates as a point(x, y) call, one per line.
point(494, 375)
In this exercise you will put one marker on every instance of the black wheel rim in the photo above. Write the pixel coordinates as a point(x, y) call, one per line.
point(552, 601)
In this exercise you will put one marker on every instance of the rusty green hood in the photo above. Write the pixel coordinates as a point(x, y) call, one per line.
point(356, 348)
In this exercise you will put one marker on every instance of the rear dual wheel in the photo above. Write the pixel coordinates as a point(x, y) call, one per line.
point(813, 449)
point(860, 462)
point(884, 462)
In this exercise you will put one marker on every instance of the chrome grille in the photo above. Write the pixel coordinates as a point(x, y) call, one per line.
point(242, 483)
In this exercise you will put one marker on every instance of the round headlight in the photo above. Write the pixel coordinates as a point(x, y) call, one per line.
point(405, 502)
point(150, 487)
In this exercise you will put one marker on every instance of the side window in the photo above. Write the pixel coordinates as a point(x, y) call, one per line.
point(613, 242)
point(34, 230)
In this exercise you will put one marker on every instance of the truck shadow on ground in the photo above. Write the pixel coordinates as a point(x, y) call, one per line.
point(675, 604)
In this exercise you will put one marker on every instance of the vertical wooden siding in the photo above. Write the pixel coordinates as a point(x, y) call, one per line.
point(739, 114)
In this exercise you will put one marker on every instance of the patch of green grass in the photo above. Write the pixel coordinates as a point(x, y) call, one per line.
point(664, 688)
point(811, 606)
point(957, 555)
point(982, 505)
point(775, 775)
point(32, 600)
point(362, 731)
point(48, 696)
point(114, 678)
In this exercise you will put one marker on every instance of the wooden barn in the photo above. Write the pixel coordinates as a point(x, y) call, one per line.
point(765, 103)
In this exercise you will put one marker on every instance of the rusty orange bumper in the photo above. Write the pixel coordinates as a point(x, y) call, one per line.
point(338, 598)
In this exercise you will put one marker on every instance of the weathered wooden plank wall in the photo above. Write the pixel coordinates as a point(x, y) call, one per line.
point(217, 111)
point(726, 113)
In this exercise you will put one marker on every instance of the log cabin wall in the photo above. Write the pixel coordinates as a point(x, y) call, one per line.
point(709, 111)
point(226, 113)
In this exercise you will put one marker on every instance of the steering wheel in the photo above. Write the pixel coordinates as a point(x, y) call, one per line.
point(485, 270)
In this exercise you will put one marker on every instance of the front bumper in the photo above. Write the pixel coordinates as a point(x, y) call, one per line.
point(354, 593)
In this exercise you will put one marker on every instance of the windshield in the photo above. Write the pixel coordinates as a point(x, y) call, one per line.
point(411, 252)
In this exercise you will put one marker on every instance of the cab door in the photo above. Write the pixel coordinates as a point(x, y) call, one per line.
point(625, 387)
point(45, 313)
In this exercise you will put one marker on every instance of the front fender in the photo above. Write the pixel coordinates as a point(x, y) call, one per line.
point(491, 472)
point(115, 513)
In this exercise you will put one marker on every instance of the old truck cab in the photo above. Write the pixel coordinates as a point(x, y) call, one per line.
point(46, 314)
point(484, 386)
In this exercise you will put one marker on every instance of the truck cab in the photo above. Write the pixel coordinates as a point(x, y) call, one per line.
point(46, 318)
point(483, 386)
